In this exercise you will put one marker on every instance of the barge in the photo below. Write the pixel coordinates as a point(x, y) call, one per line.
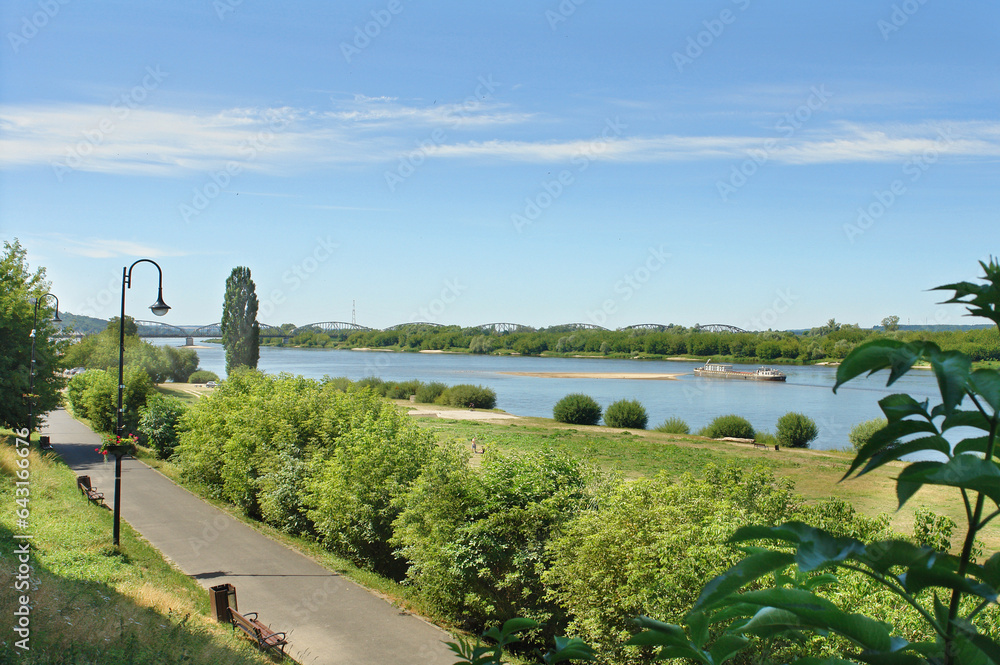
point(720, 371)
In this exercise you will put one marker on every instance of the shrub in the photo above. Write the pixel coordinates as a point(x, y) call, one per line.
point(796, 430)
point(76, 391)
point(403, 389)
point(101, 399)
point(766, 438)
point(862, 432)
point(375, 383)
point(427, 393)
point(158, 422)
point(338, 382)
point(464, 394)
point(626, 413)
point(674, 425)
point(577, 409)
point(203, 376)
point(730, 425)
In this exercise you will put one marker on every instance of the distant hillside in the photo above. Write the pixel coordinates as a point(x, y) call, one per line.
point(82, 324)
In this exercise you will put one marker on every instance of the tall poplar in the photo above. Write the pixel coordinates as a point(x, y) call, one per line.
point(240, 330)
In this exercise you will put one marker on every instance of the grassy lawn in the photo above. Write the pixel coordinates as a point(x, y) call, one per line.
point(636, 453)
point(91, 603)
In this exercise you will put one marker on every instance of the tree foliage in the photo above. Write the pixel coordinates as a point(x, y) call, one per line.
point(18, 284)
point(626, 413)
point(577, 409)
point(796, 430)
point(240, 329)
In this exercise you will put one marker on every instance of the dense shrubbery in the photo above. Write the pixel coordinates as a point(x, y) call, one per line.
point(203, 376)
point(158, 423)
point(577, 409)
point(428, 392)
point(464, 394)
point(161, 363)
point(796, 430)
point(94, 395)
point(861, 433)
point(626, 413)
point(728, 426)
point(674, 425)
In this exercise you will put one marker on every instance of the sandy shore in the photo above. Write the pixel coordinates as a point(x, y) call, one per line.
point(597, 375)
point(457, 414)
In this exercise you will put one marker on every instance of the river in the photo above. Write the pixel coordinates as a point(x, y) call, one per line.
point(696, 400)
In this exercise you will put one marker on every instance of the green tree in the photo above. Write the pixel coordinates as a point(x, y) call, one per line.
point(890, 323)
point(240, 330)
point(18, 284)
point(796, 430)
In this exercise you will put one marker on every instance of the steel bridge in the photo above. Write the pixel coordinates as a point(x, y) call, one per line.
point(337, 328)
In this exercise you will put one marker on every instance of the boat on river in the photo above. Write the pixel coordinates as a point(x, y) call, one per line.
point(722, 371)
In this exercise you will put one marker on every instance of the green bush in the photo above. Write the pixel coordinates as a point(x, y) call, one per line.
point(768, 439)
point(467, 395)
point(674, 425)
point(728, 426)
point(338, 382)
point(427, 393)
point(101, 398)
point(403, 389)
point(203, 376)
point(158, 423)
point(626, 413)
point(375, 383)
point(861, 433)
point(577, 409)
point(76, 391)
point(796, 430)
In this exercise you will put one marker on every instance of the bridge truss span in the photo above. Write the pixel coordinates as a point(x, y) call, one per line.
point(722, 328)
point(504, 328)
point(329, 327)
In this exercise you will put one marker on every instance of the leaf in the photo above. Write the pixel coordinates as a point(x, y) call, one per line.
point(964, 471)
point(952, 371)
point(740, 574)
point(815, 612)
point(986, 383)
point(960, 418)
point(893, 453)
point(727, 646)
point(869, 357)
point(569, 648)
point(981, 299)
point(989, 572)
point(698, 626)
point(883, 555)
point(900, 405)
point(918, 579)
point(974, 445)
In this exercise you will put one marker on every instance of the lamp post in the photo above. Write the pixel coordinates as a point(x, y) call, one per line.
point(159, 308)
point(31, 367)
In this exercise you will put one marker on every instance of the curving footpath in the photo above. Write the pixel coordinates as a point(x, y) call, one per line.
point(330, 620)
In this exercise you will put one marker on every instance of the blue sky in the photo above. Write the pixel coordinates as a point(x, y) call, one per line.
point(765, 165)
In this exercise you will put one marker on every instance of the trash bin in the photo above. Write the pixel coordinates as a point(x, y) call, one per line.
point(221, 598)
point(43, 442)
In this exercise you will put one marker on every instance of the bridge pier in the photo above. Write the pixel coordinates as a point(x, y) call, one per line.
point(189, 341)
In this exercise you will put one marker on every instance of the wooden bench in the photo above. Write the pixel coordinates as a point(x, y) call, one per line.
point(258, 632)
point(88, 490)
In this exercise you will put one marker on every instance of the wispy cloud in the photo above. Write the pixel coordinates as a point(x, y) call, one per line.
point(108, 248)
point(160, 142)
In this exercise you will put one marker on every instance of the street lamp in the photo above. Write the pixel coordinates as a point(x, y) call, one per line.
point(159, 308)
point(31, 368)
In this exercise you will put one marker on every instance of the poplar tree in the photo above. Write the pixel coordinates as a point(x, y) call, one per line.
point(240, 330)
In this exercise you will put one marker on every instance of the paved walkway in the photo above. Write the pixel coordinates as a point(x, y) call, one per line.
point(330, 619)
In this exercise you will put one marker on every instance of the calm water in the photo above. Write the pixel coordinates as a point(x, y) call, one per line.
point(696, 400)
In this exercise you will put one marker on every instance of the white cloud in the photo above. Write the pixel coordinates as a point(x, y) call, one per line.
point(161, 142)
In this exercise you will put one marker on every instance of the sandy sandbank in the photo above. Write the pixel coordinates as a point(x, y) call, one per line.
point(597, 375)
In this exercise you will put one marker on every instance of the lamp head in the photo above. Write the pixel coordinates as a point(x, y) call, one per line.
point(159, 308)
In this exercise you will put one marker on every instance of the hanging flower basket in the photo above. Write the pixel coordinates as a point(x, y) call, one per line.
point(117, 445)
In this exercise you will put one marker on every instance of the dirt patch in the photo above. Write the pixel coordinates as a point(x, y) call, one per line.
point(458, 414)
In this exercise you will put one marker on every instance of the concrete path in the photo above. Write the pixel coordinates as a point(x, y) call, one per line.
point(329, 619)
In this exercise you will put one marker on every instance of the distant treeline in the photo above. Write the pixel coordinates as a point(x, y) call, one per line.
point(832, 341)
